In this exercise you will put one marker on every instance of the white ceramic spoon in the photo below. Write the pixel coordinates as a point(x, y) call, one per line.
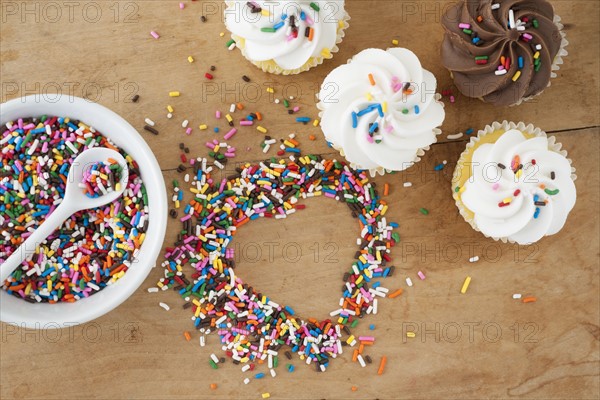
point(74, 200)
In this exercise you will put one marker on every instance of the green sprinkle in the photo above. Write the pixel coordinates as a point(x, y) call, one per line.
point(536, 24)
point(315, 7)
point(213, 364)
point(229, 43)
point(354, 323)
point(551, 192)
point(396, 237)
point(467, 31)
point(481, 57)
point(267, 29)
point(405, 111)
point(457, 189)
point(286, 103)
point(424, 211)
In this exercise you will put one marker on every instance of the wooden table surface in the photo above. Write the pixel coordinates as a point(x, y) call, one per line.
point(482, 344)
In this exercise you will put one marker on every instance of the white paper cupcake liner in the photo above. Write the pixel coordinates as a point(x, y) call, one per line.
point(489, 129)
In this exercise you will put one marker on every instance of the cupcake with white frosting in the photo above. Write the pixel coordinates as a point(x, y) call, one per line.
point(514, 183)
point(286, 37)
point(381, 110)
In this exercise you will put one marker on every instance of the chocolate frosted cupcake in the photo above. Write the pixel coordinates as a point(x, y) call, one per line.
point(502, 52)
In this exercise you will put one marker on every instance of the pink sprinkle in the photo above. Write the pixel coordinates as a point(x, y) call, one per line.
point(296, 109)
point(421, 275)
point(495, 186)
point(210, 145)
point(218, 114)
point(370, 139)
point(181, 6)
point(154, 34)
point(230, 134)
point(229, 155)
point(389, 128)
point(464, 26)
point(246, 123)
point(188, 131)
point(527, 36)
point(451, 99)
point(366, 338)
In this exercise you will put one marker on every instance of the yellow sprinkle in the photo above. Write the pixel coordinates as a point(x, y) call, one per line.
point(170, 109)
point(507, 200)
point(519, 173)
point(316, 122)
point(350, 339)
point(536, 55)
point(410, 334)
point(190, 59)
point(222, 34)
point(176, 203)
point(289, 144)
point(326, 52)
point(217, 148)
point(228, 117)
point(203, 127)
point(265, 13)
point(384, 107)
point(465, 285)
point(118, 186)
point(174, 94)
point(516, 76)
point(462, 189)
point(261, 129)
point(266, 395)
point(270, 90)
point(341, 23)
point(369, 96)
point(395, 42)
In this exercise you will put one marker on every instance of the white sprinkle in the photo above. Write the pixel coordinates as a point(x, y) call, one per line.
point(455, 136)
point(152, 289)
point(409, 281)
point(149, 121)
point(246, 381)
point(495, 6)
point(185, 123)
point(273, 373)
point(517, 296)
point(538, 46)
point(245, 368)
point(232, 108)
point(407, 184)
point(169, 115)
point(165, 306)
point(361, 361)
point(231, 47)
point(500, 72)
point(202, 341)
point(511, 19)
point(214, 358)
point(277, 101)
point(474, 259)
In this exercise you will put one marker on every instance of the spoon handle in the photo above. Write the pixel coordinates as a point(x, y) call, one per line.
point(28, 247)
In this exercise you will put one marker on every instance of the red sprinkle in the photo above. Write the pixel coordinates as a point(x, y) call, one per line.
point(208, 76)
point(516, 193)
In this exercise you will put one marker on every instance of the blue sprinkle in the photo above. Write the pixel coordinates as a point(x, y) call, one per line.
point(417, 110)
point(257, 376)
point(439, 167)
point(372, 327)
point(303, 119)
point(469, 131)
point(354, 120)
point(373, 127)
point(520, 62)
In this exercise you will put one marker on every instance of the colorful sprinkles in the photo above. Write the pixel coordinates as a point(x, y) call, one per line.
point(93, 248)
point(251, 326)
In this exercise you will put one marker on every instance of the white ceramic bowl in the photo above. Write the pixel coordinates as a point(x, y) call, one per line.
point(43, 315)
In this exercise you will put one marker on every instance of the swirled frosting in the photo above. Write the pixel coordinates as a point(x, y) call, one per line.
point(519, 189)
point(381, 109)
point(500, 51)
point(287, 32)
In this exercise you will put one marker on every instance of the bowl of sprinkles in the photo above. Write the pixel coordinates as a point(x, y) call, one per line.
point(98, 257)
